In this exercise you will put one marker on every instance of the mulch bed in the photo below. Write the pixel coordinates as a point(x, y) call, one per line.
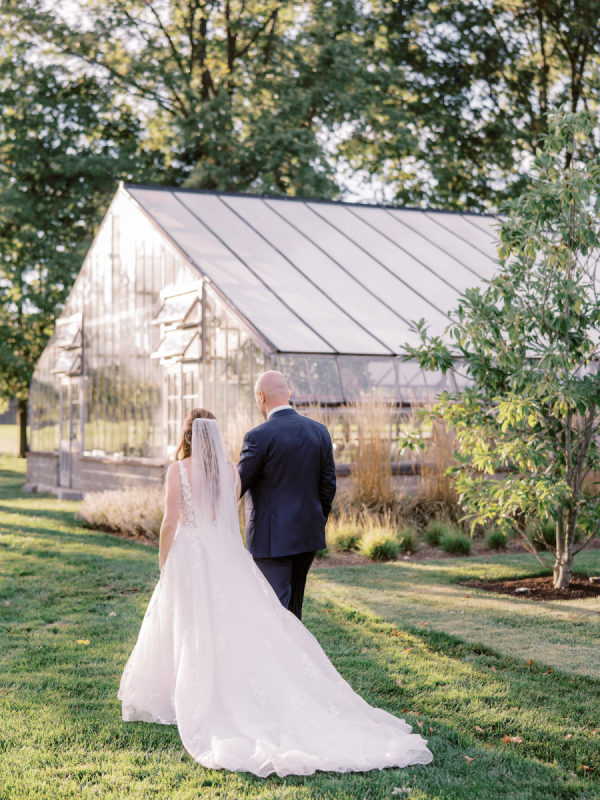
point(540, 588)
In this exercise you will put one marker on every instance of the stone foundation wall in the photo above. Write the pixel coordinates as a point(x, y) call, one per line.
point(91, 474)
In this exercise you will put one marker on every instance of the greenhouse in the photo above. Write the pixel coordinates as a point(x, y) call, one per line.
point(185, 297)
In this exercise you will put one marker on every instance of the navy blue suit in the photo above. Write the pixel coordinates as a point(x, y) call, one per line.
point(288, 474)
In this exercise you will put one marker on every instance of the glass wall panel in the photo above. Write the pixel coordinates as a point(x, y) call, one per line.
point(232, 363)
point(356, 378)
point(44, 401)
point(117, 295)
point(312, 379)
point(174, 409)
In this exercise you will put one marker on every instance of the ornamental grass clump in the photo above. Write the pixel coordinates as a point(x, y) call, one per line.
point(435, 496)
point(379, 545)
point(234, 428)
point(407, 540)
point(496, 539)
point(437, 490)
point(380, 540)
point(435, 530)
point(344, 531)
point(136, 511)
point(455, 543)
point(372, 485)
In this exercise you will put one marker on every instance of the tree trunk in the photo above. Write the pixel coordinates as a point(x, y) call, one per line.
point(562, 574)
point(565, 538)
point(22, 416)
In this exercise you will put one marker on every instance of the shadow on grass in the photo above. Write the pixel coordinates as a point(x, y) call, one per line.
point(11, 483)
point(65, 517)
point(456, 686)
point(397, 575)
point(81, 700)
point(77, 535)
point(524, 683)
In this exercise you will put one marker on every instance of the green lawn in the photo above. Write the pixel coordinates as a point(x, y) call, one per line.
point(404, 635)
point(9, 439)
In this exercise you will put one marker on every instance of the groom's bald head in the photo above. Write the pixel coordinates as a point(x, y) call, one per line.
point(270, 391)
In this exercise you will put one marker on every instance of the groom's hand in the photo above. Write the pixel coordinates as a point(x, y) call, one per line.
point(327, 483)
point(251, 463)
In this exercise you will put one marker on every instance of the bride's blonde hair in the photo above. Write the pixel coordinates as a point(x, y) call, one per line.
point(185, 445)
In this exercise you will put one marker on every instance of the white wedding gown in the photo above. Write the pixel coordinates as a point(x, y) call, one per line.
point(248, 686)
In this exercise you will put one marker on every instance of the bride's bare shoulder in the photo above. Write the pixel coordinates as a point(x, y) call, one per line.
point(173, 473)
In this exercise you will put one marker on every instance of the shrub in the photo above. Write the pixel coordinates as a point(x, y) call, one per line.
point(407, 540)
point(345, 540)
point(435, 530)
point(496, 539)
point(137, 511)
point(379, 544)
point(324, 553)
point(456, 543)
point(344, 531)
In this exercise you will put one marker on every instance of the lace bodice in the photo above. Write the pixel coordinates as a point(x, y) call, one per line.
point(187, 514)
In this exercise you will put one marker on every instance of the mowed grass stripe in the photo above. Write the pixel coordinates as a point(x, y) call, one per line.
point(560, 634)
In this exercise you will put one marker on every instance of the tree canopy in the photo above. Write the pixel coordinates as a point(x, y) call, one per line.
point(439, 104)
point(463, 91)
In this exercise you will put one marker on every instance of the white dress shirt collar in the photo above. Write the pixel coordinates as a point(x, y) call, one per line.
point(277, 408)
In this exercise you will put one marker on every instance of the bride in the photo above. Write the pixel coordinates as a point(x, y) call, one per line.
point(248, 686)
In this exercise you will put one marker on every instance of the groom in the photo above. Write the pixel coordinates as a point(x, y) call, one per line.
point(287, 471)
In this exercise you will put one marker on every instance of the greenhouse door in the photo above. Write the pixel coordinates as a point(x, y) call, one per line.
point(70, 431)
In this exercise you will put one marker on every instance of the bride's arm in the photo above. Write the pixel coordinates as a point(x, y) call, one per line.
point(235, 479)
point(172, 504)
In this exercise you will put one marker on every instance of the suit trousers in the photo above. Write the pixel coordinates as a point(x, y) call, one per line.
point(287, 576)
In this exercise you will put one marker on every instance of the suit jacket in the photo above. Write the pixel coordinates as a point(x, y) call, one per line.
point(288, 474)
